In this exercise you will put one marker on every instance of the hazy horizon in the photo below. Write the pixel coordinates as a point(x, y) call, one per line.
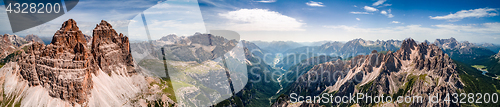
point(278, 20)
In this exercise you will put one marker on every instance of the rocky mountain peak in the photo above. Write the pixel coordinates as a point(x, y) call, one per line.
point(336, 43)
point(103, 25)
point(34, 38)
point(6, 47)
point(69, 35)
point(408, 44)
point(111, 50)
point(406, 47)
point(453, 39)
point(415, 65)
point(452, 43)
point(172, 39)
point(169, 37)
point(426, 42)
point(69, 25)
point(65, 67)
point(5, 38)
point(15, 40)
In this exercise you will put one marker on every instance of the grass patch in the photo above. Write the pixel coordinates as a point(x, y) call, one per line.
point(482, 67)
point(383, 52)
point(13, 57)
point(10, 101)
point(422, 77)
point(493, 65)
point(168, 90)
point(365, 87)
point(180, 84)
point(406, 87)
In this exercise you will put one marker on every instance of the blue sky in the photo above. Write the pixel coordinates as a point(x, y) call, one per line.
point(296, 20)
point(343, 20)
point(87, 13)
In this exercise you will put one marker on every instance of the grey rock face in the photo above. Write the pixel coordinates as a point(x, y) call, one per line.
point(198, 47)
point(32, 37)
point(6, 46)
point(416, 65)
point(452, 43)
point(16, 40)
point(65, 66)
point(111, 50)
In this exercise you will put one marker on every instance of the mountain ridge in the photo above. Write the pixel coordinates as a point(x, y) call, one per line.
point(384, 69)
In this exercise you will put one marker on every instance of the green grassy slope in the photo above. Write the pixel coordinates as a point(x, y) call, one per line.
point(475, 82)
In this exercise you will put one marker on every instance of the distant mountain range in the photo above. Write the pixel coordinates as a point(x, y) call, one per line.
point(197, 73)
point(461, 51)
point(12, 45)
point(464, 51)
point(196, 66)
point(263, 55)
point(414, 69)
point(277, 46)
point(357, 45)
point(198, 47)
point(35, 38)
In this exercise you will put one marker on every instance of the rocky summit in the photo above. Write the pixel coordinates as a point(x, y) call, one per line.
point(111, 51)
point(415, 69)
point(497, 55)
point(64, 67)
point(452, 43)
point(34, 38)
point(198, 47)
point(15, 40)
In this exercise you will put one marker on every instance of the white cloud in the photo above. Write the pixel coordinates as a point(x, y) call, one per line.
point(260, 20)
point(396, 22)
point(359, 12)
point(266, 1)
point(387, 13)
point(481, 12)
point(355, 6)
point(358, 19)
point(390, 16)
point(480, 31)
point(370, 9)
point(315, 4)
point(344, 27)
point(379, 2)
point(180, 17)
point(481, 28)
point(119, 23)
point(383, 12)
